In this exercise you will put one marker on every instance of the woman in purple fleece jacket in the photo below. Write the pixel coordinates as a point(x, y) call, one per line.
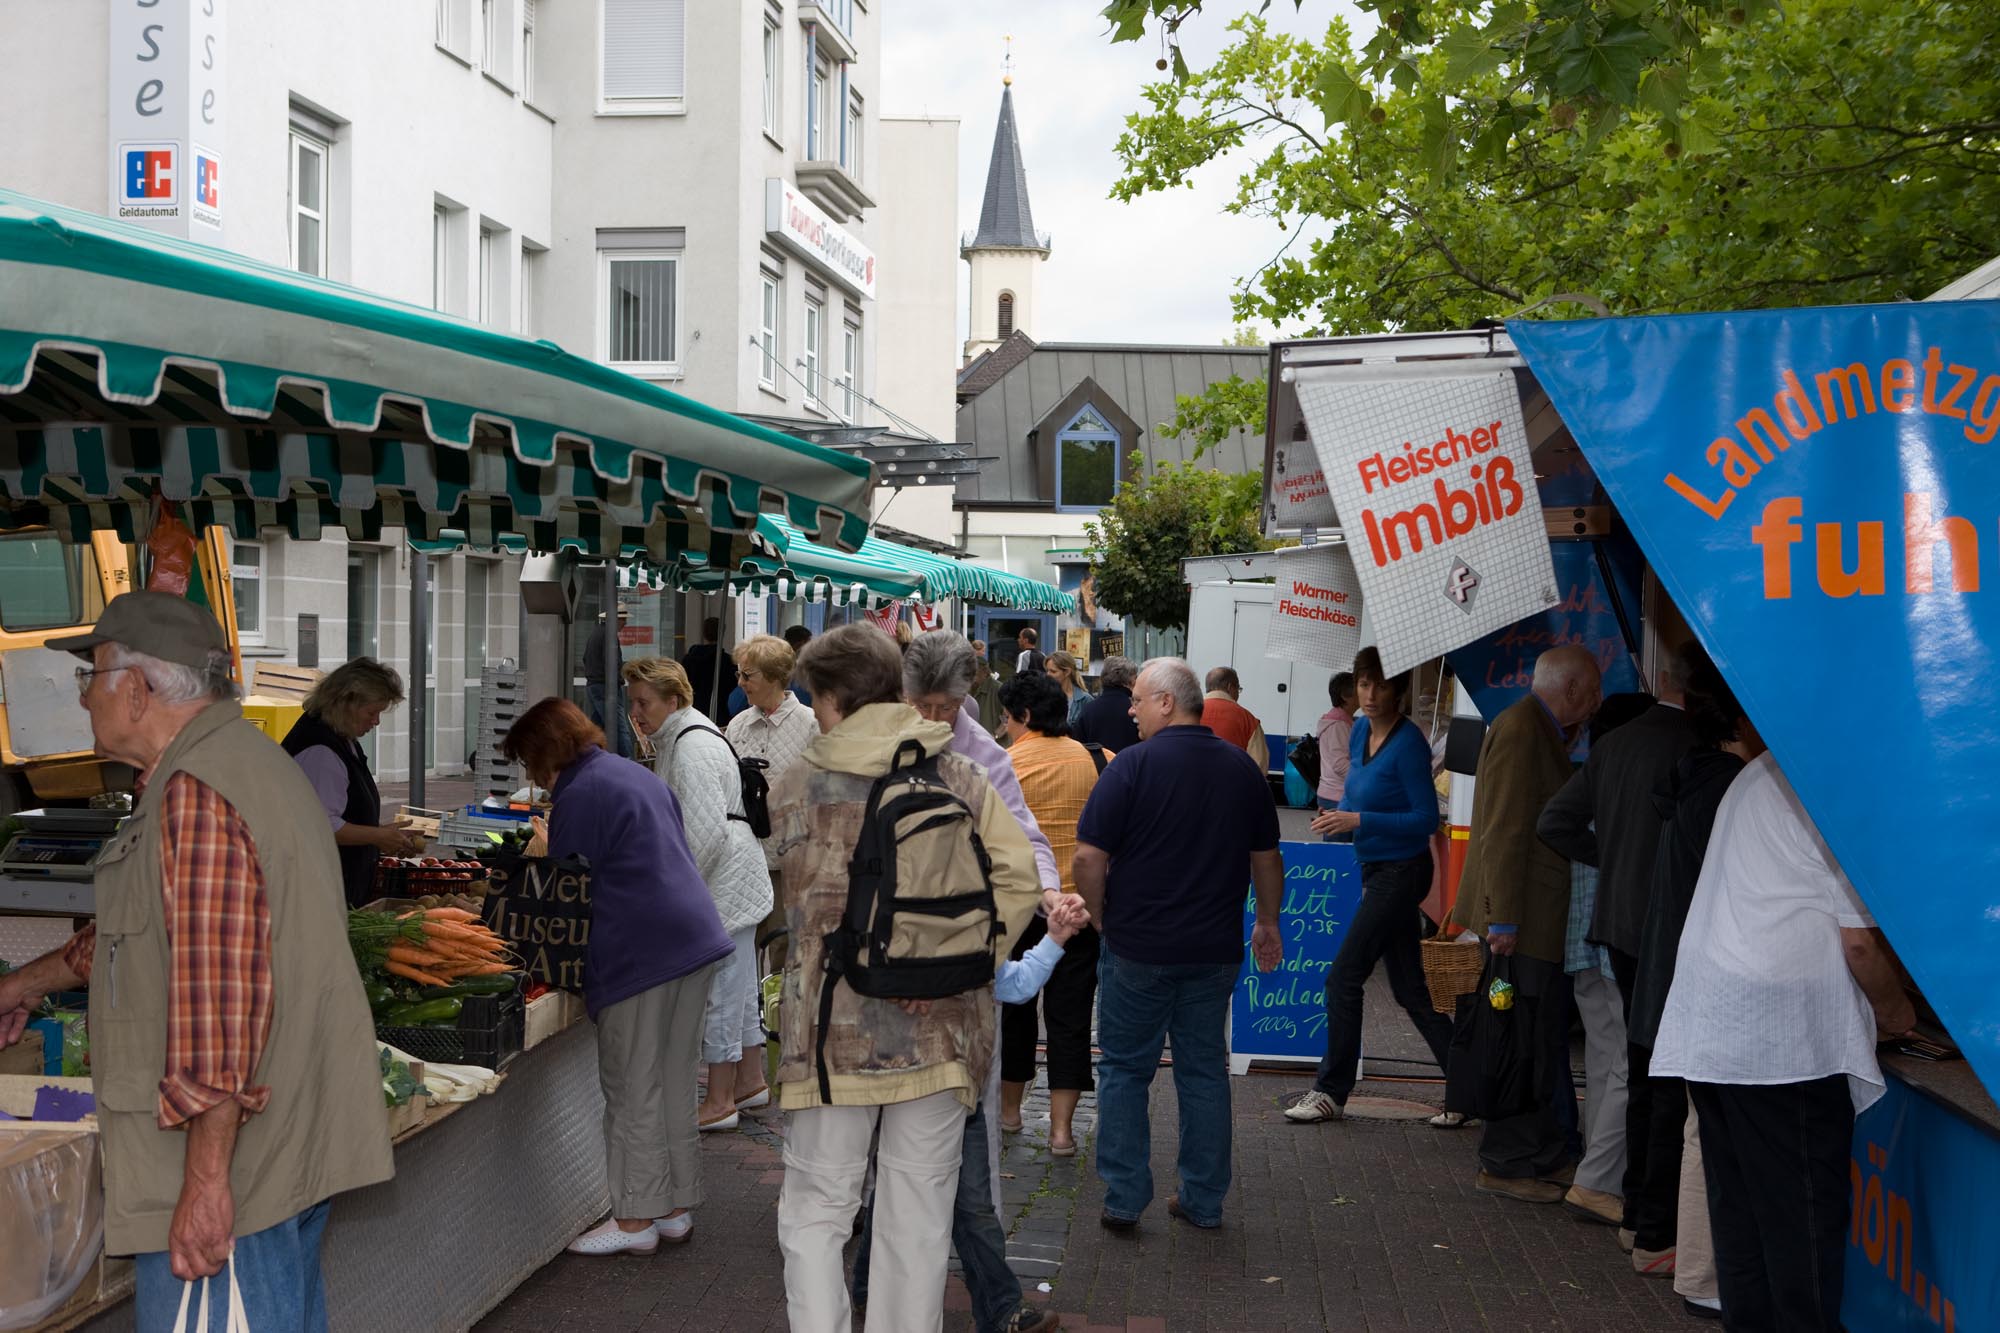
point(655, 939)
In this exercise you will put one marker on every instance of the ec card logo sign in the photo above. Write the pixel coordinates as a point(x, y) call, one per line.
point(165, 115)
point(1436, 495)
point(149, 180)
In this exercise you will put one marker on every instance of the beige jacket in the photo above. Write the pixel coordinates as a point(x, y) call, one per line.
point(879, 1055)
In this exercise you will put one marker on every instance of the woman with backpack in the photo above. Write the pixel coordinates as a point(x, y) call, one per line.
point(853, 1062)
point(655, 940)
point(699, 765)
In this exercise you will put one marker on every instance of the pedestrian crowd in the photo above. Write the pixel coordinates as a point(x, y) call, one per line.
point(942, 867)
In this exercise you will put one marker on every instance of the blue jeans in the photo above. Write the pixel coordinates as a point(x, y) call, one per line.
point(277, 1270)
point(1140, 1005)
point(975, 1233)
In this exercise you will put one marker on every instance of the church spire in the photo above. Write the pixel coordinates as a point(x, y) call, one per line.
point(1005, 220)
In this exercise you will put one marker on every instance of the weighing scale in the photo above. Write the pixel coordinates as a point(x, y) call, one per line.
point(49, 864)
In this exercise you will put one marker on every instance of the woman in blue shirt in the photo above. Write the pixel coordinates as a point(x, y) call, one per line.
point(1391, 809)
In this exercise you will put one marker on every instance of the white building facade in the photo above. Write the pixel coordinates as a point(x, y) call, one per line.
point(681, 188)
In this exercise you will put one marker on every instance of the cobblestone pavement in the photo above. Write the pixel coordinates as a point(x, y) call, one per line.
point(1370, 1224)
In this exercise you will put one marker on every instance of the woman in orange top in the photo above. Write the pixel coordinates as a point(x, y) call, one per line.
point(1057, 775)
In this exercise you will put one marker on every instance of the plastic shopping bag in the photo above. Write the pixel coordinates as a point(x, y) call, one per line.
point(1492, 1073)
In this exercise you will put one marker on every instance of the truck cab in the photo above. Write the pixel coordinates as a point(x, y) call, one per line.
point(51, 587)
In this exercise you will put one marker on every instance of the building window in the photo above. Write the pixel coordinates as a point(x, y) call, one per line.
point(850, 373)
point(641, 320)
point(767, 330)
point(1005, 322)
point(488, 306)
point(364, 607)
point(527, 50)
point(773, 73)
point(815, 325)
point(1086, 462)
point(246, 580)
point(820, 124)
point(644, 56)
point(440, 256)
point(308, 203)
point(489, 36)
point(850, 139)
point(477, 575)
point(531, 277)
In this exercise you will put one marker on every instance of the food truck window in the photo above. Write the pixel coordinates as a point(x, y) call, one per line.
point(46, 583)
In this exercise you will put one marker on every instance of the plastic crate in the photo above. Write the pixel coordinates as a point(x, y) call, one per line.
point(489, 1034)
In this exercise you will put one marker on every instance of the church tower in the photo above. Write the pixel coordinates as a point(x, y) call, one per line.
point(1006, 253)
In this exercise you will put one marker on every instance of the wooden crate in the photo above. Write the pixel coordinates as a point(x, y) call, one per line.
point(283, 680)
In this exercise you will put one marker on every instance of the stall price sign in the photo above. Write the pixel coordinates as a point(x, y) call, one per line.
point(1316, 611)
point(1436, 495)
point(1281, 1015)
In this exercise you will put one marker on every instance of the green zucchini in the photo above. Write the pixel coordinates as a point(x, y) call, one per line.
point(502, 984)
point(423, 1013)
point(380, 995)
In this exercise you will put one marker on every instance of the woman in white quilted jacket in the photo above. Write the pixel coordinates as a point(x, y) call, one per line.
point(697, 763)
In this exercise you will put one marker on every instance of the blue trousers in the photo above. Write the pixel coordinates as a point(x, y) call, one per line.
point(975, 1233)
point(277, 1270)
point(1139, 1007)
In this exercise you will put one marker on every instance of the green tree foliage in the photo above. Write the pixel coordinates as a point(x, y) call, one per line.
point(1157, 520)
point(1846, 150)
point(1613, 56)
point(1226, 407)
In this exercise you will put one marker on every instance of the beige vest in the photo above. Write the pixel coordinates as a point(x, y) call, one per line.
point(324, 1130)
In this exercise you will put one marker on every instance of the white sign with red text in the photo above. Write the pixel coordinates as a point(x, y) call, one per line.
point(1436, 493)
point(1316, 608)
point(1298, 494)
point(800, 225)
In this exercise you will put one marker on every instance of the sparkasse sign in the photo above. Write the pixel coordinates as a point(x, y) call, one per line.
point(799, 224)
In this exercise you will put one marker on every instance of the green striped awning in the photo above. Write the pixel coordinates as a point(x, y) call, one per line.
point(252, 397)
point(784, 564)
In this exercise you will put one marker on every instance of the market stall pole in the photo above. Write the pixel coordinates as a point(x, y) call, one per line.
point(138, 371)
point(420, 653)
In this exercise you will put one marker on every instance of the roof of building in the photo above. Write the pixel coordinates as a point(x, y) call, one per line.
point(1005, 220)
point(1142, 381)
point(984, 371)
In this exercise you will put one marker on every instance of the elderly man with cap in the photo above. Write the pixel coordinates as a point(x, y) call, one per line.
point(231, 1050)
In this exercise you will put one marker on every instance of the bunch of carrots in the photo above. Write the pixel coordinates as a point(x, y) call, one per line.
point(431, 948)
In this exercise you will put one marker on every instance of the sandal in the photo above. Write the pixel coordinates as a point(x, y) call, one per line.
point(1062, 1149)
point(1006, 1128)
point(1453, 1120)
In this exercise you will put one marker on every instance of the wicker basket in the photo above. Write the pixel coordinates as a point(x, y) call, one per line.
point(1451, 970)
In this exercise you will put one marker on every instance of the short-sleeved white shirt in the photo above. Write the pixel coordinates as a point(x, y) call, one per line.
point(1761, 992)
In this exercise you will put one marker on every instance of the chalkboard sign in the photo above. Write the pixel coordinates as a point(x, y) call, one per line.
point(1281, 1015)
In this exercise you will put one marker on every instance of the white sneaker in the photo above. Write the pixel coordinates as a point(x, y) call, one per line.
point(720, 1123)
point(607, 1237)
point(674, 1230)
point(1314, 1107)
point(760, 1098)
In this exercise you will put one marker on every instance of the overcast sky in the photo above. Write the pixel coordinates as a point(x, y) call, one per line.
point(1159, 269)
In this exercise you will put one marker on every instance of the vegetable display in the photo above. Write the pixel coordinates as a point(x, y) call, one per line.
point(399, 1082)
point(418, 967)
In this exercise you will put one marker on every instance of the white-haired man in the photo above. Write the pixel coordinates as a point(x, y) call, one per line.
point(1163, 847)
point(231, 1051)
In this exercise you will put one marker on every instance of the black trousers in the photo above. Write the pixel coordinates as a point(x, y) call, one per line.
point(1655, 1118)
point(1776, 1160)
point(1066, 1004)
point(1535, 1143)
point(1385, 929)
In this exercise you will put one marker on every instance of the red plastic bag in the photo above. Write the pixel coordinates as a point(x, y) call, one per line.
point(172, 545)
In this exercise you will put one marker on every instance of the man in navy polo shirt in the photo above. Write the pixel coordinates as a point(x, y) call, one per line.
point(1171, 833)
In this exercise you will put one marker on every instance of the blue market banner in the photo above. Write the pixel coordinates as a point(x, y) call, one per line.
point(1920, 1240)
point(1281, 1015)
point(1819, 492)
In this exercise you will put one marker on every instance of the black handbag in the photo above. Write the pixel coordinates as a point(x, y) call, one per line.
point(1492, 1071)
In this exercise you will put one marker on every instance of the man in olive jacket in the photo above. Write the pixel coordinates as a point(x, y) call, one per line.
point(1515, 892)
point(232, 1054)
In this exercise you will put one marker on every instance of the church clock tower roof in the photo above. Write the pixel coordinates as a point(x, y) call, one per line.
point(1005, 220)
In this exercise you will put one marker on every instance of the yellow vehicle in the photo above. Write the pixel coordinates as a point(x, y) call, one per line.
point(50, 587)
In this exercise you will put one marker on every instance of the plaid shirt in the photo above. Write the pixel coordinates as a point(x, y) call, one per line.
point(1579, 955)
point(1057, 775)
point(219, 951)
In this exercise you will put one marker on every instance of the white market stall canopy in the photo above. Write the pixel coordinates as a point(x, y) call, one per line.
point(783, 563)
point(253, 397)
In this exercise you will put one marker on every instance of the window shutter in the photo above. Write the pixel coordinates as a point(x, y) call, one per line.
point(645, 49)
